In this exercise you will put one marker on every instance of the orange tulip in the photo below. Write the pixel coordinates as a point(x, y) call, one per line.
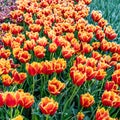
point(102, 22)
point(67, 52)
point(115, 57)
point(102, 114)
point(105, 46)
point(2, 99)
point(26, 100)
point(42, 41)
point(110, 85)
point(29, 45)
point(116, 76)
point(85, 36)
point(102, 65)
point(87, 2)
point(47, 67)
point(15, 29)
point(39, 51)
point(52, 47)
point(109, 98)
point(33, 68)
point(86, 100)
point(35, 27)
point(100, 74)
point(90, 28)
point(16, 52)
point(95, 45)
point(86, 48)
point(113, 47)
point(59, 65)
point(78, 78)
point(110, 33)
point(24, 56)
point(10, 99)
point(96, 15)
point(100, 35)
point(80, 116)
point(91, 62)
point(6, 80)
point(81, 67)
point(90, 72)
point(96, 55)
point(80, 59)
point(5, 53)
point(48, 106)
point(5, 26)
point(18, 77)
point(55, 86)
point(33, 35)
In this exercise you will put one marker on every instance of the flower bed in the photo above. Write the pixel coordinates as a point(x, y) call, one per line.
point(55, 65)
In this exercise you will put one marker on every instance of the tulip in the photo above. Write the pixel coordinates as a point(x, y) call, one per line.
point(48, 106)
point(86, 100)
point(55, 86)
point(80, 116)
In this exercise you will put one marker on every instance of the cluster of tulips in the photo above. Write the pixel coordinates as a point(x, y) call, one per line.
point(62, 62)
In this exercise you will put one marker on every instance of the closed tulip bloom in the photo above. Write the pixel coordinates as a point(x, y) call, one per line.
point(52, 47)
point(105, 46)
point(102, 114)
point(48, 106)
point(80, 59)
point(116, 76)
point(110, 85)
point(95, 45)
point(109, 98)
point(39, 51)
point(24, 56)
point(18, 78)
point(91, 62)
point(5, 26)
point(90, 72)
point(35, 27)
point(96, 55)
point(2, 99)
point(96, 15)
point(26, 100)
point(59, 65)
point(32, 68)
point(47, 67)
point(67, 52)
point(100, 74)
point(29, 45)
point(5, 53)
point(78, 78)
point(100, 35)
point(85, 36)
point(102, 22)
point(110, 33)
point(10, 99)
point(6, 80)
point(80, 116)
point(113, 47)
point(55, 86)
point(86, 100)
point(86, 48)
point(42, 41)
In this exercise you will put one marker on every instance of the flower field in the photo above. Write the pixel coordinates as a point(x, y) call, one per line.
point(59, 60)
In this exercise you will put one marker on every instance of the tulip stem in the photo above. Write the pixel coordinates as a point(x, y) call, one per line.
point(70, 99)
point(33, 85)
point(11, 112)
point(47, 117)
